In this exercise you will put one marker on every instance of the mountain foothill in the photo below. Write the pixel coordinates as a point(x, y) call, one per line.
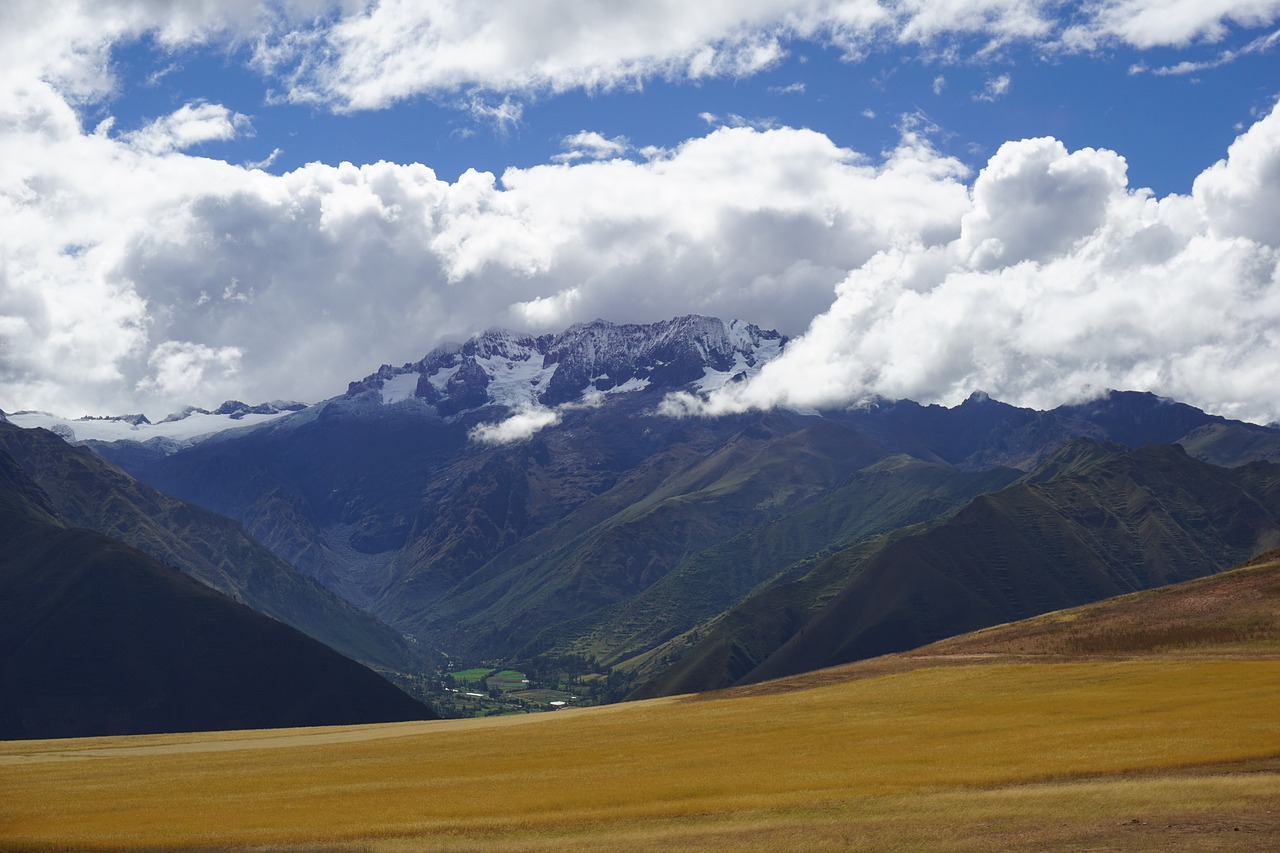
point(98, 637)
point(395, 524)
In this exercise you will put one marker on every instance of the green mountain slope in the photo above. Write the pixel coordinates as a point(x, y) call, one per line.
point(674, 506)
point(1234, 613)
point(1230, 616)
point(890, 494)
point(1092, 522)
point(91, 493)
point(618, 536)
point(1232, 444)
point(98, 638)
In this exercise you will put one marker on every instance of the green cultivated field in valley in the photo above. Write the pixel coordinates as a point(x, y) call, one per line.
point(1013, 745)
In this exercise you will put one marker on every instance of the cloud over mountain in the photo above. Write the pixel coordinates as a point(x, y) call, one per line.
point(258, 283)
point(1062, 282)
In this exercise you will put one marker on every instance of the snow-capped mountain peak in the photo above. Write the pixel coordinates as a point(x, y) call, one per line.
point(582, 364)
point(588, 359)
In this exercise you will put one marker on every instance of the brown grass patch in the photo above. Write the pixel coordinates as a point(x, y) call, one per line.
point(1143, 723)
point(1233, 613)
point(1003, 756)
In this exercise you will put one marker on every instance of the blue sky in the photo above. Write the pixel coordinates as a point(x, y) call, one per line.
point(175, 225)
point(1169, 127)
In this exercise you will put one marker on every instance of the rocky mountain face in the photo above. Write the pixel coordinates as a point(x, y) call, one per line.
point(622, 538)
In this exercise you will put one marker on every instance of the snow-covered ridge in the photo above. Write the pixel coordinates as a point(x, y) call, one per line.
point(581, 365)
point(187, 426)
point(585, 361)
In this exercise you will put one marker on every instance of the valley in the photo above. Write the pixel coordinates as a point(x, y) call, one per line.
point(610, 549)
point(1164, 741)
point(894, 627)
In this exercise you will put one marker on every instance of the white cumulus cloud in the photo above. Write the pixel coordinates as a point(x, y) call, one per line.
point(369, 55)
point(1164, 23)
point(995, 89)
point(182, 367)
point(188, 126)
point(524, 423)
point(377, 54)
point(1062, 283)
point(590, 145)
point(115, 246)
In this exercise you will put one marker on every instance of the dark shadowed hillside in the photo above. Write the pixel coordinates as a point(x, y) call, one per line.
point(879, 498)
point(982, 432)
point(91, 493)
point(98, 638)
point(1236, 612)
point(677, 503)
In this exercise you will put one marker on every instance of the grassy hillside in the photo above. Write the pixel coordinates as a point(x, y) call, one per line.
point(1093, 521)
point(1236, 612)
point(675, 505)
point(1170, 748)
point(1230, 615)
point(1232, 444)
point(882, 497)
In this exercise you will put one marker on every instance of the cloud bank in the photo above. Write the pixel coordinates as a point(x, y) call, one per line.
point(122, 254)
point(522, 424)
point(1063, 282)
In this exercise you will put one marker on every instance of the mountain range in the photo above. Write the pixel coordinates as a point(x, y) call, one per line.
point(523, 499)
point(1095, 520)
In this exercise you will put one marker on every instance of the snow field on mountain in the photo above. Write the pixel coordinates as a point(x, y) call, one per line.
point(188, 429)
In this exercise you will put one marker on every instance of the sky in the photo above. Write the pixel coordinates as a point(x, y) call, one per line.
point(204, 200)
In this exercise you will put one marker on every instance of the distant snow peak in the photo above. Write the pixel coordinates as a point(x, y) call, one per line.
point(134, 420)
point(187, 426)
point(586, 361)
point(184, 413)
point(236, 410)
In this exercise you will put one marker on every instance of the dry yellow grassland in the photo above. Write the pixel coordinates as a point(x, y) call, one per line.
point(1152, 754)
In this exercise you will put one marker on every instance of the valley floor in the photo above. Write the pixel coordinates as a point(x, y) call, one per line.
point(1150, 753)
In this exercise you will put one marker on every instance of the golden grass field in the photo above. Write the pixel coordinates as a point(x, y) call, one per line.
point(1161, 751)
